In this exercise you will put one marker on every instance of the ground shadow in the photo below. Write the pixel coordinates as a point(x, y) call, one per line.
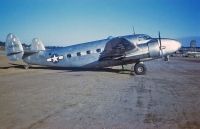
point(69, 69)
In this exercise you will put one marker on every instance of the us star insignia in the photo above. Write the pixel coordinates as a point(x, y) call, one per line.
point(55, 58)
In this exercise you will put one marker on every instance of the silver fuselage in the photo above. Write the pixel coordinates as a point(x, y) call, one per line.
point(147, 49)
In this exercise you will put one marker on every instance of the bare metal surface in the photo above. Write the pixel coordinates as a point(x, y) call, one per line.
point(168, 97)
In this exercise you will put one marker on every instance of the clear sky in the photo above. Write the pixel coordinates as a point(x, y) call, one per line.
point(65, 22)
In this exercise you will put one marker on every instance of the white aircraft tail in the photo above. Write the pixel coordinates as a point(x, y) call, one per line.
point(37, 45)
point(14, 49)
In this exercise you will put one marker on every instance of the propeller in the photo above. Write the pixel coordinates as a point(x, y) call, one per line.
point(166, 58)
point(159, 40)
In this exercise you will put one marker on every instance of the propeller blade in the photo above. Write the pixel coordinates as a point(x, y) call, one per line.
point(159, 38)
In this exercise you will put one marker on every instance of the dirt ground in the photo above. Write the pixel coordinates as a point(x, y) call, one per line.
point(167, 97)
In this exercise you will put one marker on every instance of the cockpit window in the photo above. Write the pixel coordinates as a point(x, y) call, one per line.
point(140, 38)
point(146, 37)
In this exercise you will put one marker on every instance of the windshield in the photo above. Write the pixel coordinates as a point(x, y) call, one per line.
point(146, 37)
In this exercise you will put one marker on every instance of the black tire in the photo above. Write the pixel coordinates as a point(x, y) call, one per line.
point(140, 69)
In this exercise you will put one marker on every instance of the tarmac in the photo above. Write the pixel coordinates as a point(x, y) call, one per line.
point(167, 97)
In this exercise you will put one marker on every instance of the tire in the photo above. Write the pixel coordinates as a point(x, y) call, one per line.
point(140, 69)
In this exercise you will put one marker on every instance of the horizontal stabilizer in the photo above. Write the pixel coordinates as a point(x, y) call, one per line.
point(29, 53)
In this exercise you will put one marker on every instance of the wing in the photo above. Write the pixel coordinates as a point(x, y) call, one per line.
point(116, 48)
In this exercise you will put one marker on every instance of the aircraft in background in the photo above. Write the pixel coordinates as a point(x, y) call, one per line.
point(192, 54)
point(112, 51)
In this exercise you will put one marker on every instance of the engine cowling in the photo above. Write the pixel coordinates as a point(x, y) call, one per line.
point(154, 49)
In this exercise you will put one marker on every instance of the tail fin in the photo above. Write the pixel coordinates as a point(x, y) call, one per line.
point(14, 49)
point(37, 45)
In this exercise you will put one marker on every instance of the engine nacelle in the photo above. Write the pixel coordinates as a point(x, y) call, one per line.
point(154, 49)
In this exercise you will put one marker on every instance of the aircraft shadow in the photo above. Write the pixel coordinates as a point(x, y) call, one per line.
point(18, 66)
point(70, 69)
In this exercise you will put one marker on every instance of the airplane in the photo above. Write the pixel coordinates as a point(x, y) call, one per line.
point(194, 54)
point(112, 51)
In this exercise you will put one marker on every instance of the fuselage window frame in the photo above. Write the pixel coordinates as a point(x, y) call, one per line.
point(98, 50)
point(78, 53)
point(88, 52)
point(69, 55)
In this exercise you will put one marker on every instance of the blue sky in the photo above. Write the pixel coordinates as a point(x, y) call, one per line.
point(65, 22)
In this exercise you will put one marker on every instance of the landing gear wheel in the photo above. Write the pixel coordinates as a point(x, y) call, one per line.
point(140, 68)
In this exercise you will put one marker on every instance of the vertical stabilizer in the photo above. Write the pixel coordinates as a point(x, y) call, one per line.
point(14, 49)
point(37, 45)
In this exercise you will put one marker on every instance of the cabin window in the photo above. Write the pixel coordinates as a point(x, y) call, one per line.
point(88, 52)
point(98, 50)
point(69, 55)
point(78, 53)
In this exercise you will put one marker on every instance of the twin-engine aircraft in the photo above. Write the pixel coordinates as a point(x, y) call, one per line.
point(130, 49)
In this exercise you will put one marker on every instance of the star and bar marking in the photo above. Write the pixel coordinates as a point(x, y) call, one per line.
point(55, 58)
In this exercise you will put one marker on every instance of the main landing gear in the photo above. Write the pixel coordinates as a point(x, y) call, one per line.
point(139, 68)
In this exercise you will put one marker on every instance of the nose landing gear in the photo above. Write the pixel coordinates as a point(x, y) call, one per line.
point(166, 58)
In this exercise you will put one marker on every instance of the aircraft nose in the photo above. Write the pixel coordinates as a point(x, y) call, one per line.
point(170, 46)
point(177, 44)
